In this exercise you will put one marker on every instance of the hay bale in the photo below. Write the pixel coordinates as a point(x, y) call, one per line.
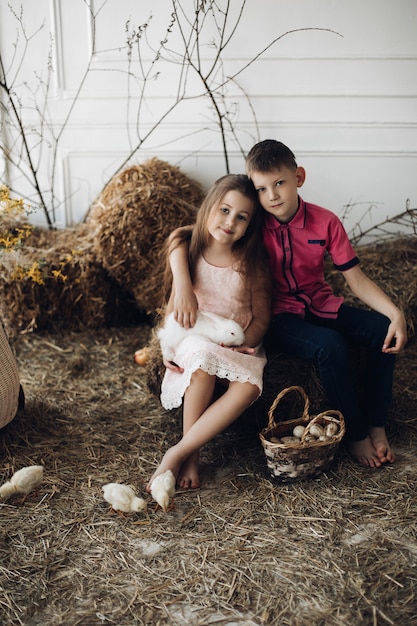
point(79, 295)
point(392, 265)
point(387, 264)
point(154, 367)
point(131, 220)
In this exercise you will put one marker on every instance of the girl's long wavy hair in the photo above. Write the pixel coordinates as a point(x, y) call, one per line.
point(249, 252)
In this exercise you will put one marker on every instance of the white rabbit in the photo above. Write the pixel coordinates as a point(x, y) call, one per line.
point(212, 326)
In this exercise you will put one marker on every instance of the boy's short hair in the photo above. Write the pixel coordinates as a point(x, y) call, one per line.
point(268, 155)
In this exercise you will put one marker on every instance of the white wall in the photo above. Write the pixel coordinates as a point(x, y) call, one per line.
point(344, 101)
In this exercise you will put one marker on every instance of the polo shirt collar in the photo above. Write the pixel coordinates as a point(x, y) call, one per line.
point(297, 221)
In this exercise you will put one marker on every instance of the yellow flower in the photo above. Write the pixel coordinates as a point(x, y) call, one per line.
point(8, 204)
point(19, 273)
point(35, 273)
point(59, 275)
point(4, 193)
point(14, 239)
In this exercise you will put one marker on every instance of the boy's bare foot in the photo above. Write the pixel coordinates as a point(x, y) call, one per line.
point(381, 444)
point(189, 477)
point(364, 453)
point(171, 460)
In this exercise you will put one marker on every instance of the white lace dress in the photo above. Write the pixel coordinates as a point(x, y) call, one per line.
point(222, 291)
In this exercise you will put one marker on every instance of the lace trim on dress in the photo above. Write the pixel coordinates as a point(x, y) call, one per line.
point(208, 362)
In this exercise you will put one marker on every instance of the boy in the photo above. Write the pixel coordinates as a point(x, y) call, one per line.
point(309, 321)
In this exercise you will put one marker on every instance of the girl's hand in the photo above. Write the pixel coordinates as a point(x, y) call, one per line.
point(185, 307)
point(242, 349)
point(183, 301)
point(170, 365)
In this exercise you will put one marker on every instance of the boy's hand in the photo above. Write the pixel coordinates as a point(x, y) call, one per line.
point(366, 290)
point(396, 337)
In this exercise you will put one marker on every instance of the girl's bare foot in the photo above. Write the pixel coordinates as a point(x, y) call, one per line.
point(189, 477)
point(381, 444)
point(171, 460)
point(364, 452)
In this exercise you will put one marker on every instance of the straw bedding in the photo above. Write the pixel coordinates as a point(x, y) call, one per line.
point(244, 549)
point(339, 549)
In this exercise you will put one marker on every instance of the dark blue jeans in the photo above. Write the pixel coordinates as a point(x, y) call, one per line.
point(327, 341)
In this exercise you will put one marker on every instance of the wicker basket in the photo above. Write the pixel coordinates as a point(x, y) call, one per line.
point(301, 459)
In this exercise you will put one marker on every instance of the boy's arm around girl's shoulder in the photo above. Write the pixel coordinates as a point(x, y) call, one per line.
point(373, 296)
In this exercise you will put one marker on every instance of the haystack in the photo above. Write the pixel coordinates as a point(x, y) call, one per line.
point(131, 220)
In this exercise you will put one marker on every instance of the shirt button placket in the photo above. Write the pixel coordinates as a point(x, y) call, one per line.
point(288, 259)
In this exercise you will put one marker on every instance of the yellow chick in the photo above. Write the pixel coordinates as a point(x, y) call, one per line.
point(23, 481)
point(163, 489)
point(123, 498)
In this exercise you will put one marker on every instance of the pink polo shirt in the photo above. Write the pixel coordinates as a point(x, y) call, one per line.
point(296, 255)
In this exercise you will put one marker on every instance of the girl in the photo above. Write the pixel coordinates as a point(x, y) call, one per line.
point(229, 277)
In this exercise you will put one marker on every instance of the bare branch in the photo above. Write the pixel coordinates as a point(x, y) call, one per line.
point(27, 150)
